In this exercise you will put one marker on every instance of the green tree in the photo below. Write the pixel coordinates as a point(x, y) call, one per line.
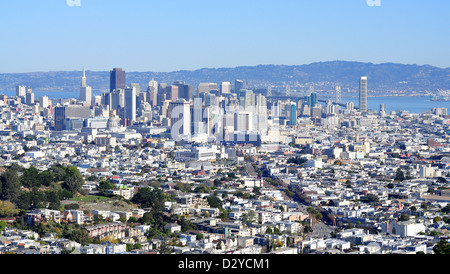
point(350, 225)
point(8, 209)
point(297, 160)
point(372, 198)
point(53, 200)
point(73, 180)
point(10, 182)
point(184, 187)
point(276, 231)
point(132, 219)
point(37, 199)
point(202, 189)
point(148, 198)
point(46, 177)
point(199, 236)
point(104, 185)
point(30, 177)
point(59, 172)
point(399, 175)
point(403, 217)
point(442, 247)
point(3, 225)
point(130, 247)
point(80, 236)
point(217, 183)
point(186, 224)
point(214, 201)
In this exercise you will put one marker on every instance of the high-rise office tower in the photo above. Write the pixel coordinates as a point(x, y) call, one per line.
point(138, 93)
point(130, 104)
point(246, 99)
point(198, 114)
point(117, 79)
point(83, 78)
point(293, 114)
point(152, 92)
point(238, 85)
point(243, 121)
point(153, 85)
point(29, 100)
point(363, 94)
point(85, 90)
point(117, 98)
point(137, 86)
point(261, 114)
point(312, 99)
point(65, 113)
point(184, 91)
point(180, 119)
point(205, 88)
point(44, 101)
point(21, 91)
point(172, 93)
point(225, 88)
point(382, 109)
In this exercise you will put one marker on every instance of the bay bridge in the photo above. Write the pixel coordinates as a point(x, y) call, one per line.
point(297, 97)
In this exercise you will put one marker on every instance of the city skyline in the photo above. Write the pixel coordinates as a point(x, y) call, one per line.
point(334, 157)
point(186, 35)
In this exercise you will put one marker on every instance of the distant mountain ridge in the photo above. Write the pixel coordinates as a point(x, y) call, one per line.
point(326, 75)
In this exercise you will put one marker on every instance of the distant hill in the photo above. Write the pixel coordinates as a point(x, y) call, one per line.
point(385, 77)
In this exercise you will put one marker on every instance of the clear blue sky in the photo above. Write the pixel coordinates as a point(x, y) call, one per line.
point(169, 35)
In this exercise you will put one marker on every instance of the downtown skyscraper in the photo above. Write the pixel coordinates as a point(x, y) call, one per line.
point(117, 79)
point(85, 90)
point(363, 94)
point(130, 104)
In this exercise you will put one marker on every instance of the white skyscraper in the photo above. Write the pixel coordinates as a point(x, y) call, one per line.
point(225, 88)
point(85, 91)
point(130, 103)
point(363, 94)
point(152, 92)
point(21, 91)
point(180, 120)
point(29, 97)
point(44, 101)
point(83, 78)
point(243, 121)
point(206, 87)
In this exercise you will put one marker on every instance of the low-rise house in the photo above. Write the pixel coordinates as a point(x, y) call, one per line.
point(403, 228)
point(124, 214)
point(173, 228)
point(110, 230)
point(285, 250)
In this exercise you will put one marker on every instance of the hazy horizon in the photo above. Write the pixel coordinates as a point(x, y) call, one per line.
point(196, 69)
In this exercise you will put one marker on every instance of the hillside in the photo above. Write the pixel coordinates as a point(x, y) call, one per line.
point(385, 77)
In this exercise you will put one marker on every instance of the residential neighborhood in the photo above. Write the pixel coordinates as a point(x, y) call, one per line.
point(292, 177)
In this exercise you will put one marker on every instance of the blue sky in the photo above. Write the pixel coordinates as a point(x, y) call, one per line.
point(147, 35)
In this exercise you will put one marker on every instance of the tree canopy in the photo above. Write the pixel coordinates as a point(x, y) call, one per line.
point(23, 186)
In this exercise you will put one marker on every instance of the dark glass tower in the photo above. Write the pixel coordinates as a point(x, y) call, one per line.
point(117, 79)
